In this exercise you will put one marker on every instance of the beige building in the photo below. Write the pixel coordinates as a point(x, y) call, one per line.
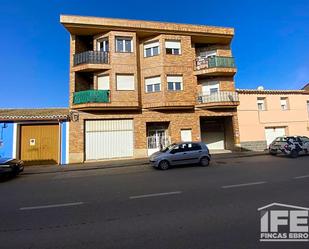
point(136, 86)
point(264, 115)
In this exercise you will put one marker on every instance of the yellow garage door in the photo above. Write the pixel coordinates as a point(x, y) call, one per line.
point(39, 144)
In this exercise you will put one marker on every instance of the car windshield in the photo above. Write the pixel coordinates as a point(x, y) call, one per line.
point(305, 139)
point(281, 139)
point(171, 146)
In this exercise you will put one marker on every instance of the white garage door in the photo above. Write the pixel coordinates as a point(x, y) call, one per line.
point(272, 133)
point(109, 139)
point(214, 140)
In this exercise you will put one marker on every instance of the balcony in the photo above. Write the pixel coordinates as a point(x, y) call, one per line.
point(221, 99)
point(91, 61)
point(91, 96)
point(105, 100)
point(215, 66)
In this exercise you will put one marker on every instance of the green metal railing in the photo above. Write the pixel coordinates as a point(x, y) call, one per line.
point(216, 61)
point(91, 96)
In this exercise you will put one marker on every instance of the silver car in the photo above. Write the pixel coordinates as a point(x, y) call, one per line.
point(180, 154)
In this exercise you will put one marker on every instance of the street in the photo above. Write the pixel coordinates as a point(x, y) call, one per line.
point(141, 207)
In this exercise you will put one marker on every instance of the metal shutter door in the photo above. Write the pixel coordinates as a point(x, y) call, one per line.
point(272, 133)
point(109, 139)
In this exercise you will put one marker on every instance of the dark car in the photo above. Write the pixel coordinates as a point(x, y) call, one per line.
point(11, 166)
point(181, 153)
point(290, 145)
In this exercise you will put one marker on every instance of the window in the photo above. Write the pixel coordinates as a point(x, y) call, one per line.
point(174, 83)
point(281, 139)
point(151, 49)
point(305, 139)
point(179, 148)
point(125, 82)
point(102, 45)
point(210, 87)
point(207, 54)
point(261, 104)
point(153, 84)
point(124, 44)
point(284, 103)
point(173, 47)
point(103, 82)
point(308, 106)
point(194, 146)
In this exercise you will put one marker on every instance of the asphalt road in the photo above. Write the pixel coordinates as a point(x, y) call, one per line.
point(140, 207)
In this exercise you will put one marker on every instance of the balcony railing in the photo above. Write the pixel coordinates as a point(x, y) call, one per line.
point(91, 57)
point(221, 96)
point(212, 62)
point(91, 96)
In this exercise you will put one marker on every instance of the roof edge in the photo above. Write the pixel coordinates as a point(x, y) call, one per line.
point(144, 24)
point(270, 91)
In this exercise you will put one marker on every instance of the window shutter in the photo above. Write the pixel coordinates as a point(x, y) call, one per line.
point(103, 82)
point(153, 80)
point(125, 82)
point(151, 45)
point(172, 44)
point(283, 101)
point(174, 79)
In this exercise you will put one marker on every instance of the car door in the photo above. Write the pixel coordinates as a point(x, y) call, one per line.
point(194, 152)
point(305, 141)
point(179, 154)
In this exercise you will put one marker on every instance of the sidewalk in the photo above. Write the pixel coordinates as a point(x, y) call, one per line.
point(41, 169)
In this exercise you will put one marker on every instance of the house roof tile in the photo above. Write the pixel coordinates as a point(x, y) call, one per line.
point(34, 114)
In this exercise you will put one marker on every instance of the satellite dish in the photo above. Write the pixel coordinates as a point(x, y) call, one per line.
point(260, 88)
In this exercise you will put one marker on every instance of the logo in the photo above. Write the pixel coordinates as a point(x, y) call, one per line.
point(281, 222)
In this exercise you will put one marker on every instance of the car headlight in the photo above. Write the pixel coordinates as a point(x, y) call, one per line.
point(5, 166)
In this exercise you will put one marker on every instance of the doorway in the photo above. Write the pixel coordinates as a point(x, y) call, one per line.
point(157, 136)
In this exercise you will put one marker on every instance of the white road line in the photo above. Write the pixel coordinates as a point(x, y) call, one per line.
point(53, 206)
point(301, 177)
point(243, 185)
point(154, 195)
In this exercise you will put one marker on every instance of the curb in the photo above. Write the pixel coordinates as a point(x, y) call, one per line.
point(129, 164)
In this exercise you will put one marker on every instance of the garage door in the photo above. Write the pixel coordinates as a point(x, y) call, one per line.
point(214, 140)
point(39, 144)
point(272, 133)
point(109, 139)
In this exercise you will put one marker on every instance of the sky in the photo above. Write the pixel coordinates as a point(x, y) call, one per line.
point(271, 43)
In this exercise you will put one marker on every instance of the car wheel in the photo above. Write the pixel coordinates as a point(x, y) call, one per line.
point(294, 153)
point(204, 161)
point(164, 165)
point(272, 152)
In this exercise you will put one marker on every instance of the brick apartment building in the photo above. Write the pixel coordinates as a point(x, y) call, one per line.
point(138, 85)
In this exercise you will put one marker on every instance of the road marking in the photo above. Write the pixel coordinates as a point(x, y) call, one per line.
point(53, 206)
point(243, 185)
point(154, 195)
point(301, 177)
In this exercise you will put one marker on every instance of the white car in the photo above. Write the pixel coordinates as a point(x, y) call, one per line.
point(290, 145)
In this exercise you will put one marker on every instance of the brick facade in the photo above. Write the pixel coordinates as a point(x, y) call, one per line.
point(185, 119)
point(179, 109)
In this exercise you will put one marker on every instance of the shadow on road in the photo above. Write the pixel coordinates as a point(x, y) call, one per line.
point(7, 177)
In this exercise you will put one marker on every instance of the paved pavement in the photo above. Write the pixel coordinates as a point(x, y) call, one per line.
point(121, 163)
point(140, 207)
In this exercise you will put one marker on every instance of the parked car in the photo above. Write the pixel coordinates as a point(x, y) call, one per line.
point(290, 145)
point(181, 153)
point(11, 166)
